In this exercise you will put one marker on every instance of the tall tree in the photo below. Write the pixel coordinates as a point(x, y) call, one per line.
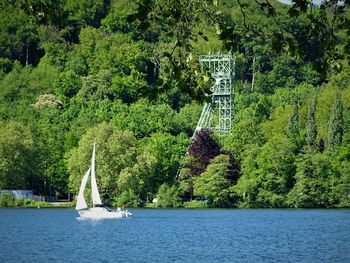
point(311, 126)
point(203, 149)
point(276, 171)
point(293, 122)
point(18, 36)
point(335, 128)
point(16, 153)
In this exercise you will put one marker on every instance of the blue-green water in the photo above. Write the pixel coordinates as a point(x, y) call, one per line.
point(55, 235)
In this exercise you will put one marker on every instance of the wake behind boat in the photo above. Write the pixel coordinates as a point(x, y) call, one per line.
point(97, 211)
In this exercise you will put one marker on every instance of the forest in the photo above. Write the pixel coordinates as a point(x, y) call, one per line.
point(126, 75)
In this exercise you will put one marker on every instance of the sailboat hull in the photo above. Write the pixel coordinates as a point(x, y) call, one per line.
point(97, 213)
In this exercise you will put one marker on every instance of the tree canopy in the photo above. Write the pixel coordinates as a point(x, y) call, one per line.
point(126, 74)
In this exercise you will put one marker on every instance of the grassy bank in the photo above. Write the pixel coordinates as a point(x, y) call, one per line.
point(190, 204)
point(7, 200)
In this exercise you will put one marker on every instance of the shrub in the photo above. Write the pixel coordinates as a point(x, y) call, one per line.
point(127, 198)
point(196, 204)
point(7, 200)
point(19, 202)
point(168, 196)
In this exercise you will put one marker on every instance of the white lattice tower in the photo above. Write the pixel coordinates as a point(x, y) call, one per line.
point(217, 115)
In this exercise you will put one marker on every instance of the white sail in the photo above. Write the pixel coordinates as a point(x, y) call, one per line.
point(81, 203)
point(96, 200)
point(95, 212)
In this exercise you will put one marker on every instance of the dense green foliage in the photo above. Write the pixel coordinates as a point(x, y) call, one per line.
point(125, 74)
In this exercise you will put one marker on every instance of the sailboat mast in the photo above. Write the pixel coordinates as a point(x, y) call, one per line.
point(93, 172)
point(96, 200)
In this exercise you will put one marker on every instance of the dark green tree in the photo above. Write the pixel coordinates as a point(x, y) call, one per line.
point(311, 126)
point(42, 12)
point(321, 145)
point(18, 35)
point(87, 12)
point(293, 122)
point(67, 84)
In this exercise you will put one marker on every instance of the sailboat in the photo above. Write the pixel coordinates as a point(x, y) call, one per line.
point(97, 211)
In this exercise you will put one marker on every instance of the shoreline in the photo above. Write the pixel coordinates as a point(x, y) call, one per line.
point(71, 206)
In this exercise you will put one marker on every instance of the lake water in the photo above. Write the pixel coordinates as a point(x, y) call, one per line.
point(55, 235)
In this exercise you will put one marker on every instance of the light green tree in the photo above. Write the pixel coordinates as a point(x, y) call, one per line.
point(127, 198)
point(140, 178)
point(115, 151)
point(168, 196)
point(16, 156)
point(335, 128)
point(276, 171)
point(144, 118)
point(168, 150)
point(312, 186)
point(268, 173)
point(340, 182)
point(248, 185)
point(213, 184)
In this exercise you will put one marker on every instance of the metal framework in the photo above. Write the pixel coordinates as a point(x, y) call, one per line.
point(217, 115)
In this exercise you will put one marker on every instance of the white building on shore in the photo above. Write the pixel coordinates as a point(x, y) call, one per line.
point(19, 194)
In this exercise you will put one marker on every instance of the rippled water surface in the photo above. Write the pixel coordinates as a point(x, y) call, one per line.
point(55, 235)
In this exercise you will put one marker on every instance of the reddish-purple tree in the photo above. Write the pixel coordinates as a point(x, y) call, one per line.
point(202, 150)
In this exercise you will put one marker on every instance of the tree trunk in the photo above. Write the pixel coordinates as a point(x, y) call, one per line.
point(253, 78)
